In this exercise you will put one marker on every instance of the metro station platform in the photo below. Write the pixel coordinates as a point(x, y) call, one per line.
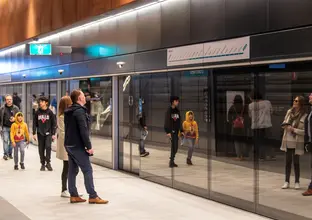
point(35, 195)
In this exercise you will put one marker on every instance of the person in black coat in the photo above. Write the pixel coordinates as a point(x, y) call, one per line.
point(308, 142)
point(79, 148)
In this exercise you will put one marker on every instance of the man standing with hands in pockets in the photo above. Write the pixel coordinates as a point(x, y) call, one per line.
point(79, 148)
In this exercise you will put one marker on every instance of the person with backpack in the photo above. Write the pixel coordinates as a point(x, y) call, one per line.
point(236, 118)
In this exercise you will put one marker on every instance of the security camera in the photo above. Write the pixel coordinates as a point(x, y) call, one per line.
point(120, 64)
point(24, 76)
point(60, 72)
point(35, 39)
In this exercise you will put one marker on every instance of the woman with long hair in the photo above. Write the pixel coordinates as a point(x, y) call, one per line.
point(236, 118)
point(61, 153)
point(293, 139)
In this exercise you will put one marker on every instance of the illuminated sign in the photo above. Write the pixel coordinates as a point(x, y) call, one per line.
point(40, 49)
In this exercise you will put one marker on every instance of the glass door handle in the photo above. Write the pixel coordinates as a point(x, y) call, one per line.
point(130, 100)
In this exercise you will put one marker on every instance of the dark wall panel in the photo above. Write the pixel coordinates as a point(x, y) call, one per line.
point(149, 28)
point(154, 60)
point(282, 44)
point(244, 17)
point(175, 23)
point(289, 13)
point(207, 20)
point(127, 34)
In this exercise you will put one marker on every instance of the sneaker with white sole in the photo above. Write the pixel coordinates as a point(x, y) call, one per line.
point(285, 186)
point(297, 186)
point(65, 194)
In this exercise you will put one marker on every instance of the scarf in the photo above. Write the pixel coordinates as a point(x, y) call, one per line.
point(295, 116)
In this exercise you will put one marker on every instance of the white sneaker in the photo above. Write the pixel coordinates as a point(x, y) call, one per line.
point(297, 186)
point(285, 186)
point(65, 194)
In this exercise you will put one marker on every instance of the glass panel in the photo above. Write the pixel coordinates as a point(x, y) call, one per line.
point(192, 173)
point(98, 92)
point(281, 89)
point(232, 162)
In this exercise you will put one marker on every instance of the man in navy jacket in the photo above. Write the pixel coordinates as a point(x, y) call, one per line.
point(79, 148)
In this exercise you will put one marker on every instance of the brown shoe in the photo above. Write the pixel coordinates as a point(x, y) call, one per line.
point(307, 193)
point(77, 200)
point(97, 200)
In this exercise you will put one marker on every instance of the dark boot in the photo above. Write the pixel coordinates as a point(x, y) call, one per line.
point(189, 162)
point(172, 164)
point(15, 167)
point(22, 166)
point(49, 167)
point(42, 167)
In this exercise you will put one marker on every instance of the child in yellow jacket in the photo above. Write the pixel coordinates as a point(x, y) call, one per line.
point(191, 135)
point(19, 134)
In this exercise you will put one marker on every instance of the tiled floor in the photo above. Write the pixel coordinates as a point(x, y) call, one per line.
point(36, 194)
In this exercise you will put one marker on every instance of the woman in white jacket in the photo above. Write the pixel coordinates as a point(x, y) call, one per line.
point(61, 153)
point(293, 139)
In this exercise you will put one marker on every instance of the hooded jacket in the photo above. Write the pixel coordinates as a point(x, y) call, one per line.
point(173, 121)
point(19, 130)
point(77, 127)
point(190, 126)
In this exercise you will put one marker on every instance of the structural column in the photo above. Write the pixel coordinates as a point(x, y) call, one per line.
point(115, 127)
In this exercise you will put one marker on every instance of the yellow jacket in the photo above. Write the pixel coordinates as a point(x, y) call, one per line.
point(19, 130)
point(190, 127)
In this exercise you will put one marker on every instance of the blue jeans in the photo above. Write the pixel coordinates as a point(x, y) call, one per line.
point(79, 158)
point(7, 145)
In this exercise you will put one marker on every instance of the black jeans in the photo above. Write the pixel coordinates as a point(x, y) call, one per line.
point(290, 156)
point(64, 176)
point(79, 158)
point(44, 147)
point(174, 145)
point(263, 149)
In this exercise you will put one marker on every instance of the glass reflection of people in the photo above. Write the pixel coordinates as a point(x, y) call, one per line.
point(236, 118)
point(144, 132)
point(260, 112)
point(308, 141)
point(191, 135)
point(173, 127)
point(17, 100)
point(34, 104)
point(293, 139)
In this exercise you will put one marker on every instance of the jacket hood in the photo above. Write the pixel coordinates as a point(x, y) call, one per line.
point(19, 113)
point(73, 108)
point(187, 116)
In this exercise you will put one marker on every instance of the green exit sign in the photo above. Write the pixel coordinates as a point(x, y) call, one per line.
point(40, 49)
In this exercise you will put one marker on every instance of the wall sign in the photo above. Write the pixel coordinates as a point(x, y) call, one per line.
point(40, 49)
point(226, 50)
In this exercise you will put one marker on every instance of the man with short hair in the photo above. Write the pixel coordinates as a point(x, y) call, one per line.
point(44, 128)
point(173, 126)
point(7, 118)
point(79, 148)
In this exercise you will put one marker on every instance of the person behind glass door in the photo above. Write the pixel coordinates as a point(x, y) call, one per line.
point(308, 142)
point(61, 153)
point(236, 118)
point(144, 132)
point(293, 139)
point(173, 127)
point(191, 135)
point(7, 113)
point(17, 100)
point(260, 112)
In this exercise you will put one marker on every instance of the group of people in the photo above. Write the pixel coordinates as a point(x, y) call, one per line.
point(72, 126)
point(255, 118)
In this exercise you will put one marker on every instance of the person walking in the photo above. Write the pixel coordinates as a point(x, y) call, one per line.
point(19, 134)
point(191, 135)
point(143, 130)
point(61, 153)
point(79, 148)
point(293, 139)
point(173, 127)
point(44, 126)
point(7, 113)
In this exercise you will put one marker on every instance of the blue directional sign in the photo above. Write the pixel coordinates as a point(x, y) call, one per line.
point(40, 49)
